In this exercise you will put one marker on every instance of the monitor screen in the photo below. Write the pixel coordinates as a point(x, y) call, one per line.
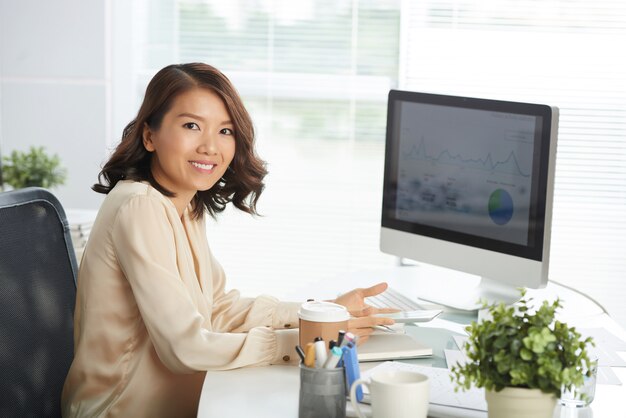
point(468, 184)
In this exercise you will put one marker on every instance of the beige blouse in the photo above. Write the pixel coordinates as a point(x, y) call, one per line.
point(152, 314)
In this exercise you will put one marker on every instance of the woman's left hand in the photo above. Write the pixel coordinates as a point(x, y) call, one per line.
point(363, 322)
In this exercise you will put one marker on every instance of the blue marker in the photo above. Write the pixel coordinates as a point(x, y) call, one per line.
point(351, 364)
point(346, 338)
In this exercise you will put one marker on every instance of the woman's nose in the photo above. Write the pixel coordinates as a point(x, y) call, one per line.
point(208, 144)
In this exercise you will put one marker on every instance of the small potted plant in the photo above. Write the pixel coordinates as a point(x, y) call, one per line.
point(523, 358)
point(32, 168)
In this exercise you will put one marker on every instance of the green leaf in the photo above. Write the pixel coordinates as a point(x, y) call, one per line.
point(523, 347)
point(33, 168)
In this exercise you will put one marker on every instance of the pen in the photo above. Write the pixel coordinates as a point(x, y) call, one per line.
point(309, 359)
point(351, 364)
point(348, 337)
point(331, 344)
point(320, 352)
point(300, 352)
point(333, 359)
point(342, 334)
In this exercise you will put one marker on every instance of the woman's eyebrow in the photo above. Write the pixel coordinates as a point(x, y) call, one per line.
point(190, 115)
point(200, 118)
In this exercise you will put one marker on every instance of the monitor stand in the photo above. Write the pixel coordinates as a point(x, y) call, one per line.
point(463, 297)
point(450, 288)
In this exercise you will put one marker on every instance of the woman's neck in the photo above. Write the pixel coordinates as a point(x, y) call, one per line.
point(181, 202)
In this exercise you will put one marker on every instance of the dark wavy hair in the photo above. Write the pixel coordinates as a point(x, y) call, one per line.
point(242, 183)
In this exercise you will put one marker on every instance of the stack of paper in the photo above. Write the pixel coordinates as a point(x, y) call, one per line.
point(392, 346)
point(81, 222)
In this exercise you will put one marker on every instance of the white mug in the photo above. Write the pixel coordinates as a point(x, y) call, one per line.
point(395, 393)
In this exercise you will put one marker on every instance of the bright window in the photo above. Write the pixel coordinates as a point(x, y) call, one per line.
point(562, 53)
point(315, 75)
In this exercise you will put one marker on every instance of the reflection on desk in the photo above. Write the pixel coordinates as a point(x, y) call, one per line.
point(251, 392)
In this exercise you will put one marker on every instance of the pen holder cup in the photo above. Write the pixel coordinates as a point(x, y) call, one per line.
point(322, 393)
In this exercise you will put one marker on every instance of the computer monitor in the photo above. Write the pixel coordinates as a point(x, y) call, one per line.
point(468, 185)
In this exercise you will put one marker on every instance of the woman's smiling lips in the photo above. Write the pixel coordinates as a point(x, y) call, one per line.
point(203, 166)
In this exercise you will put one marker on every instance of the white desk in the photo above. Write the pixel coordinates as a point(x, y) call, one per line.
point(273, 391)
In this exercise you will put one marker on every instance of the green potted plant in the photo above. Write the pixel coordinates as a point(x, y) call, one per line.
point(523, 358)
point(32, 168)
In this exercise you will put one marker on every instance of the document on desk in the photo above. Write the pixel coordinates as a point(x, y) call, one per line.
point(454, 357)
point(460, 341)
point(441, 388)
point(606, 348)
point(606, 376)
point(607, 357)
point(604, 338)
point(392, 347)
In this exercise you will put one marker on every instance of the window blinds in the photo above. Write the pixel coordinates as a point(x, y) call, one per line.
point(315, 77)
point(315, 74)
point(562, 53)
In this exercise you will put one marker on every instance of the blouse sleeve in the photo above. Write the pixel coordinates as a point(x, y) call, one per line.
point(232, 313)
point(144, 244)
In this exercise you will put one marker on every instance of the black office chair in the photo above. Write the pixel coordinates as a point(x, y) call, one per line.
point(37, 292)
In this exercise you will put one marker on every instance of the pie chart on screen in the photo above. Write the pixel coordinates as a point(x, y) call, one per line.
point(500, 207)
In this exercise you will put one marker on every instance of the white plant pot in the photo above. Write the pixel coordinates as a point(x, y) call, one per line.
point(520, 403)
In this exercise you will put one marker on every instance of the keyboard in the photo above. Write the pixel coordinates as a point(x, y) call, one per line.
point(391, 298)
point(410, 311)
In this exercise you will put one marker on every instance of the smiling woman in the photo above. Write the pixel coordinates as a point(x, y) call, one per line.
point(152, 314)
point(192, 147)
point(191, 97)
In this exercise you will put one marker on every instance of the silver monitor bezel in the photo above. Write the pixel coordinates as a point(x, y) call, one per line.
point(501, 261)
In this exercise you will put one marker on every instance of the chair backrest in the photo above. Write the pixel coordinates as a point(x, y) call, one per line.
point(37, 295)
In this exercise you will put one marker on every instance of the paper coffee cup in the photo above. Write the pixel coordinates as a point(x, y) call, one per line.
point(321, 319)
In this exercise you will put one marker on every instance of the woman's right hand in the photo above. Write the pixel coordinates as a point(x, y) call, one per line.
point(363, 326)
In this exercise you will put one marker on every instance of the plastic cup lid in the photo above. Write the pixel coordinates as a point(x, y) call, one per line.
point(317, 311)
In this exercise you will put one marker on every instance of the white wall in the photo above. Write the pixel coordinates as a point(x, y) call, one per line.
point(58, 61)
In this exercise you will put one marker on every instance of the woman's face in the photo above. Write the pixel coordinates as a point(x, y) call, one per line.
point(193, 146)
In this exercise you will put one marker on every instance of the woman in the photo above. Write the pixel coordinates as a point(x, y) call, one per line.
point(152, 314)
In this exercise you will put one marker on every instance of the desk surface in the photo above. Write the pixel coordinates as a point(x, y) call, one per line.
point(273, 391)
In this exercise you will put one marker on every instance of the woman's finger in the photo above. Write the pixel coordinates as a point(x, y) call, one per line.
point(369, 322)
point(365, 311)
point(362, 332)
point(383, 321)
point(374, 290)
point(357, 313)
point(375, 311)
point(362, 322)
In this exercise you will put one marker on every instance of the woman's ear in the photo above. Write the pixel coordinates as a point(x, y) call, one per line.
point(146, 136)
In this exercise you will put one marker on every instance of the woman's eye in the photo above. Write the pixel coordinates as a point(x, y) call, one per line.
point(192, 125)
point(227, 131)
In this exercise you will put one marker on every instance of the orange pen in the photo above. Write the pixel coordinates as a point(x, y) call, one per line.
point(309, 359)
